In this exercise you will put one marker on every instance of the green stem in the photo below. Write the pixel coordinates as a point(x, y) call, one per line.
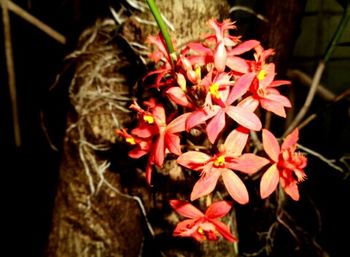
point(338, 33)
point(162, 26)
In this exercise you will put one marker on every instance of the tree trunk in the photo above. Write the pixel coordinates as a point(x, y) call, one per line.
point(104, 207)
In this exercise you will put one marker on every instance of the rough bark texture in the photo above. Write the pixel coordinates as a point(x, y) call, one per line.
point(96, 213)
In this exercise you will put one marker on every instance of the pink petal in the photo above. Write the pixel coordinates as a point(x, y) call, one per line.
point(249, 103)
point(248, 163)
point(244, 47)
point(159, 150)
point(272, 106)
point(236, 141)
point(237, 64)
point(291, 140)
point(197, 117)
point(224, 230)
point(270, 144)
point(279, 98)
point(277, 83)
point(193, 160)
point(235, 186)
point(215, 126)
point(220, 57)
point(206, 184)
point(244, 117)
point(159, 114)
point(178, 96)
point(145, 131)
point(185, 228)
point(186, 209)
point(172, 142)
point(218, 209)
point(240, 87)
point(269, 181)
point(137, 153)
point(293, 191)
point(178, 124)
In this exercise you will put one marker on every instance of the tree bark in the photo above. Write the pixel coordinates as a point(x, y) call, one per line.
point(103, 205)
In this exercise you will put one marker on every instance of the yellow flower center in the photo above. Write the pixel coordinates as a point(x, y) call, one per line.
point(130, 140)
point(262, 75)
point(220, 161)
point(200, 230)
point(149, 119)
point(198, 72)
point(214, 90)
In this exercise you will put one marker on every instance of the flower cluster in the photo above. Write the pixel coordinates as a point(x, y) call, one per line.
point(214, 91)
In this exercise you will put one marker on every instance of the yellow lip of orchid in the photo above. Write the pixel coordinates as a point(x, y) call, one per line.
point(148, 118)
point(262, 75)
point(214, 90)
point(220, 161)
point(130, 140)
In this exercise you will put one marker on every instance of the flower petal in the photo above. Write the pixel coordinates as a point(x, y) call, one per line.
point(270, 144)
point(248, 163)
point(235, 186)
point(218, 209)
point(269, 181)
point(245, 46)
point(273, 106)
point(178, 96)
point(224, 230)
point(186, 209)
point(215, 126)
point(240, 87)
point(158, 150)
point(293, 191)
point(193, 160)
point(220, 56)
point(291, 140)
point(178, 124)
point(197, 117)
point(206, 184)
point(172, 143)
point(244, 117)
point(237, 64)
point(236, 141)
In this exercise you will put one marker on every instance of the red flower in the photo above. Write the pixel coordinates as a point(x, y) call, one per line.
point(200, 225)
point(287, 167)
point(153, 128)
point(219, 102)
point(229, 157)
point(264, 92)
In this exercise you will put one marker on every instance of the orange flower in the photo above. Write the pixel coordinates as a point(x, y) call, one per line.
point(287, 167)
point(200, 225)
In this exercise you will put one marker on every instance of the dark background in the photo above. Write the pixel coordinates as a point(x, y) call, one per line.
point(31, 171)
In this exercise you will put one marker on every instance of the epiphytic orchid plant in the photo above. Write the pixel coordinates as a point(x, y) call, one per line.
point(213, 93)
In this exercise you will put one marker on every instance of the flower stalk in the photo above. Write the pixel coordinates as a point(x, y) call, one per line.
point(162, 26)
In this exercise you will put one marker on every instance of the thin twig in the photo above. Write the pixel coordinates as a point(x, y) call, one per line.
point(315, 81)
point(11, 70)
point(321, 157)
point(36, 22)
point(306, 80)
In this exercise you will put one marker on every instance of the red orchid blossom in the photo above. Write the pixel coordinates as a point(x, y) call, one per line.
point(164, 137)
point(287, 165)
point(200, 225)
point(229, 158)
point(219, 102)
point(264, 92)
